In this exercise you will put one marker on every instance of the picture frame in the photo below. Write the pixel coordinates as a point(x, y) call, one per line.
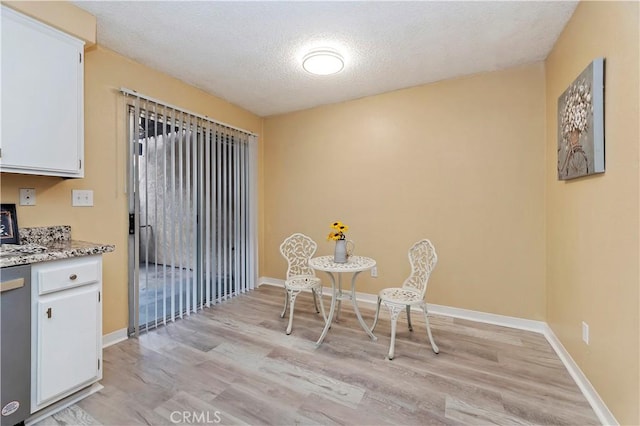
point(9, 224)
point(581, 124)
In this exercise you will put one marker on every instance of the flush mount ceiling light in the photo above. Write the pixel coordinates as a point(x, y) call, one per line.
point(323, 62)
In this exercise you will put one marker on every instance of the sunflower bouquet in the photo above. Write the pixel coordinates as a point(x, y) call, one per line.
point(339, 229)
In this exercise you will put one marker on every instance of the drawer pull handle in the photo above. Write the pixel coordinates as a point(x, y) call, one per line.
point(12, 284)
point(72, 277)
point(49, 313)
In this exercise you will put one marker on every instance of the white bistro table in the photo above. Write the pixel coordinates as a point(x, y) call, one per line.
point(355, 264)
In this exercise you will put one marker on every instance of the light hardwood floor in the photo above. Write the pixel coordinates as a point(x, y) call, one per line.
point(234, 364)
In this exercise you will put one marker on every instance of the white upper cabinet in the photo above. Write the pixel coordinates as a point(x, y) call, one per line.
point(42, 99)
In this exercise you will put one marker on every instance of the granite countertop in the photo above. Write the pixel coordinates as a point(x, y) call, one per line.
point(42, 244)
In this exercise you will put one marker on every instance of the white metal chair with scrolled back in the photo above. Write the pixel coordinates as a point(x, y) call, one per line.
point(298, 249)
point(423, 258)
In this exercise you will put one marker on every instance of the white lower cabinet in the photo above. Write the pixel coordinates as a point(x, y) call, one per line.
point(66, 328)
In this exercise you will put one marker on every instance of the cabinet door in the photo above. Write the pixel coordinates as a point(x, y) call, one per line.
point(68, 342)
point(42, 98)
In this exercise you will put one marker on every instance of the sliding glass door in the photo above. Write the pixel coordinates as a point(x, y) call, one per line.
point(192, 212)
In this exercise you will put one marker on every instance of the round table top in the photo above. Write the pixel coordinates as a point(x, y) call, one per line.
point(354, 264)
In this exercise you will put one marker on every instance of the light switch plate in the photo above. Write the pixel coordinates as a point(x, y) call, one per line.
point(27, 197)
point(82, 198)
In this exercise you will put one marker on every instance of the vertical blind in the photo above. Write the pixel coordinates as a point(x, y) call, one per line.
point(193, 204)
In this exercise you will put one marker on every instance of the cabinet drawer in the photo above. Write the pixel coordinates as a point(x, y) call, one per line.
point(60, 275)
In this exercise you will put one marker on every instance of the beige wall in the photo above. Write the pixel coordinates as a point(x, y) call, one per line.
point(460, 162)
point(106, 222)
point(592, 223)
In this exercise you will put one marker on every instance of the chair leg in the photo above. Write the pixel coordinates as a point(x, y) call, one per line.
point(392, 345)
point(409, 317)
point(292, 303)
point(426, 321)
point(286, 302)
point(394, 311)
point(315, 301)
point(375, 320)
point(338, 310)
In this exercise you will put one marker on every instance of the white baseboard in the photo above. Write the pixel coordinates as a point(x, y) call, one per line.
point(602, 411)
point(599, 407)
point(270, 281)
point(114, 337)
point(488, 318)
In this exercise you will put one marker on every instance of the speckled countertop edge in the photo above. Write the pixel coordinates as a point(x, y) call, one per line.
point(59, 245)
point(44, 235)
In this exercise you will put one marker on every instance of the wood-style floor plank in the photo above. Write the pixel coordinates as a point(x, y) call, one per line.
point(233, 364)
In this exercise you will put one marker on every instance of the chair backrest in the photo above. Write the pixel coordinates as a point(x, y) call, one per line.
point(298, 249)
point(423, 258)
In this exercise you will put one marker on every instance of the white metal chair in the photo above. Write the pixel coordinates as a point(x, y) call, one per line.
point(423, 258)
point(298, 249)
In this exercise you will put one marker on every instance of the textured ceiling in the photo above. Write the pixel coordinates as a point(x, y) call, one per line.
point(249, 53)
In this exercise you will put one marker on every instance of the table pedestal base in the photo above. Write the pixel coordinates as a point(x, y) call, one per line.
point(337, 295)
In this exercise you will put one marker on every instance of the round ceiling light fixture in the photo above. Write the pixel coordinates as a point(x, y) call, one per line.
point(323, 62)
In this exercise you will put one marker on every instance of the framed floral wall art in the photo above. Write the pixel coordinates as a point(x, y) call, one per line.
point(8, 224)
point(581, 124)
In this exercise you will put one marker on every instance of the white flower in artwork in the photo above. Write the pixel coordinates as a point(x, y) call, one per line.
point(576, 109)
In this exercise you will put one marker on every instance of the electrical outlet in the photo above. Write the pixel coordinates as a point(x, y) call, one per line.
point(27, 197)
point(374, 272)
point(82, 198)
point(585, 332)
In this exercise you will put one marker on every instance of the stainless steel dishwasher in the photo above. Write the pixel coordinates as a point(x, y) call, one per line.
point(15, 338)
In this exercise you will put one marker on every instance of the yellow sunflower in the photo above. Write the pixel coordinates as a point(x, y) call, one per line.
point(338, 234)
